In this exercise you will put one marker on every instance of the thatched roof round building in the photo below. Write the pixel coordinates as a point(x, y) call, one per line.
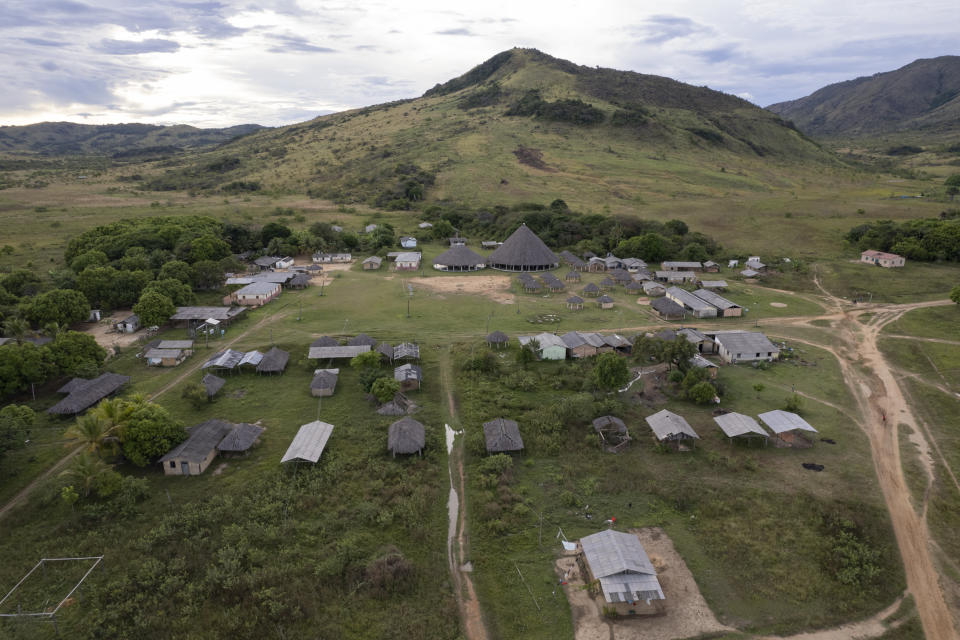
point(523, 251)
point(459, 258)
point(406, 436)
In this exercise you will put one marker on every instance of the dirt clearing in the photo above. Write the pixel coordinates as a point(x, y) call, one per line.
point(687, 613)
point(497, 288)
point(779, 305)
point(104, 334)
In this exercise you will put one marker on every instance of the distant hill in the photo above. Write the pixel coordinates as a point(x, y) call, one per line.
point(119, 141)
point(520, 126)
point(923, 96)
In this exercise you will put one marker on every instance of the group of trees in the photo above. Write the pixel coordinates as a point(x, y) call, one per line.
point(15, 424)
point(694, 383)
point(373, 379)
point(558, 226)
point(24, 364)
point(926, 240)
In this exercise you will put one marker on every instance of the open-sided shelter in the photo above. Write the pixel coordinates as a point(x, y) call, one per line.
point(459, 258)
point(738, 425)
point(575, 302)
point(668, 427)
point(406, 436)
point(212, 384)
point(309, 442)
point(498, 339)
point(410, 376)
point(273, 361)
point(788, 427)
point(612, 431)
point(324, 382)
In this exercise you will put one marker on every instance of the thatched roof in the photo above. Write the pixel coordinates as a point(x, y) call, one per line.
point(575, 300)
point(667, 307)
point(459, 256)
point(385, 349)
point(324, 341)
point(497, 337)
point(212, 384)
point(405, 436)
point(573, 275)
point(86, 393)
point(523, 250)
point(502, 435)
point(634, 286)
point(609, 423)
point(324, 380)
point(240, 438)
point(360, 340)
point(591, 288)
point(273, 361)
point(391, 409)
point(605, 300)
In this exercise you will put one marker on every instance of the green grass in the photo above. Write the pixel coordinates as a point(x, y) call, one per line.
point(913, 471)
point(915, 282)
point(721, 504)
point(935, 362)
point(929, 322)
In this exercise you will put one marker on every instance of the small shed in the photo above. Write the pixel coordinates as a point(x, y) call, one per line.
point(408, 242)
point(406, 436)
point(738, 425)
point(410, 376)
point(605, 302)
point(574, 302)
point(406, 351)
point(613, 433)
point(273, 361)
point(711, 267)
point(324, 382)
point(372, 263)
point(212, 384)
point(789, 428)
point(309, 442)
point(502, 436)
point(156, 357)
point(669, 428)
point(130, 324)
point(498, 339)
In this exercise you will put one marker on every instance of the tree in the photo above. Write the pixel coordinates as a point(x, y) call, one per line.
point(702, 392)
point(366, 360)
point(206, 247)
point(680, 351)
point(16, 328)
point(22, 282)
point(649, 349)
point(179, 293)
point(150, 433)
point(196, 394)
point(207, 274)
point(794, 404)
point(384, 389)
point(654, 248)
point(90, 474)
point(63, 306)
point(611, 372)
point(92, 432)
point(115, 412)
point(527, 354)
point(154, 308)
point(76, 354)
point(677, 227)
point(953, 180)
point(92, 258)
point(694, 252)
point(759, 387)
point(15, 424)
point(273, 230)
point(955, 294)
point(177, 270)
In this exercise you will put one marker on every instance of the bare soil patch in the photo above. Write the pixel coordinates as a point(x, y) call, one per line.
point(686, 612)
point(104, 334)
point(779, 305)
point(497, 288)
point(532, 158)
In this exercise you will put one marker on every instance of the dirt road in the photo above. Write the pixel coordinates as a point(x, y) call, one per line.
point(473, 626)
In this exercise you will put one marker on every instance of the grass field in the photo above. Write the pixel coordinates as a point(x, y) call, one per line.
point(932, 322)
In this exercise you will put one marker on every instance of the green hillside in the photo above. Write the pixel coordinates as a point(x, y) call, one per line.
point(923, 98)
point(513, 128)
point(119, 141)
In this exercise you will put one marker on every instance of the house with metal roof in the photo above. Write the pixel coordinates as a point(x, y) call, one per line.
point(192, 316)
point(227, 359)
point(205, 440)
point(266, 262)
point(681, 266)
point(502, 436)
point(713, 285)
point(338, 352)
point(309, 442)
point(749, 273)
point(550, 346)
point(372, 263)
point(620, 564)
point(653, 289)
point(577, 346)
point(698, 308)
point(725, 308)
point(156, 357)
point(882, 258)
point(634, 265)
point(407, 261)
point(744, 346)
point(406, 351)
point(408, 242)
point(675, 277)
point(738, 425)
point(669, 428)
point(83, 394)
point(406, 436)
point(255, 294)
point(711, 267)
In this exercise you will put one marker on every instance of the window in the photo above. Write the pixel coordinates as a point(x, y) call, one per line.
point(758, 355)
point(173, 465)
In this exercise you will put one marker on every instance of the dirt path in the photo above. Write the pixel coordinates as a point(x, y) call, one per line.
point(872, 627)
point(61, 463)
point(883, 407)
point(937, 340)
point(469, 604)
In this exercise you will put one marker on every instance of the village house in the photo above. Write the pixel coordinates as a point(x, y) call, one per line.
point(407, 261)
point(406, 436)
point(410, 376)
point(697, 307)
point(321, 257)
point(668, 309)
point(130, 324)
point(284, 263)
point(255, 294)
point(669, 428)
point(83, 394)
point(744, 346)
point(549, 346)
point(324, 382)
point(372, 263)
point(882, 259)
point(192, 456)
point(619, 563)
point(725, 308)
point(681, 266)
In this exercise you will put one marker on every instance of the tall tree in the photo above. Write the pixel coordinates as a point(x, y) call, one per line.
point(610, 372)
point(154, 308)
point(63, 306)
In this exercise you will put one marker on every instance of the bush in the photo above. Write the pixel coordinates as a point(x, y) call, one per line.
point(702, 393)
point(196, 394)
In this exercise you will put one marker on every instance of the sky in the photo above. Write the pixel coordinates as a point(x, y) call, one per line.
point(275, 62)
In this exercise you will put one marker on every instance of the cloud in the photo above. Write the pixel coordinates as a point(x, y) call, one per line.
point(718, 54)
point(43, 42)
point(287, 43)
point(459, 31)
point(663, 28)
point(135, 47)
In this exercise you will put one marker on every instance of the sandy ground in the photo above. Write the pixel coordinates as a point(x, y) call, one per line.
point(778, 305)
point(497, 288)
point(104, 334)
point(687, 613)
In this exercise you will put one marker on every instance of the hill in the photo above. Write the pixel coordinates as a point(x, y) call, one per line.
point(922, 97)
point(520, 126)
point(120, 141)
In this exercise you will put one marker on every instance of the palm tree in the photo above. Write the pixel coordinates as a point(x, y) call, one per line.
point(87, 472)
point(16, 328)
point(53, 329)
point(115, 413)
point(91, 431)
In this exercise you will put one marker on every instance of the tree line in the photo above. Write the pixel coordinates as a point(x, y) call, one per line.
point(930, 239)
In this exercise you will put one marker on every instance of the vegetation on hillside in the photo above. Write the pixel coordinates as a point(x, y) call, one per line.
point(926, 240)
